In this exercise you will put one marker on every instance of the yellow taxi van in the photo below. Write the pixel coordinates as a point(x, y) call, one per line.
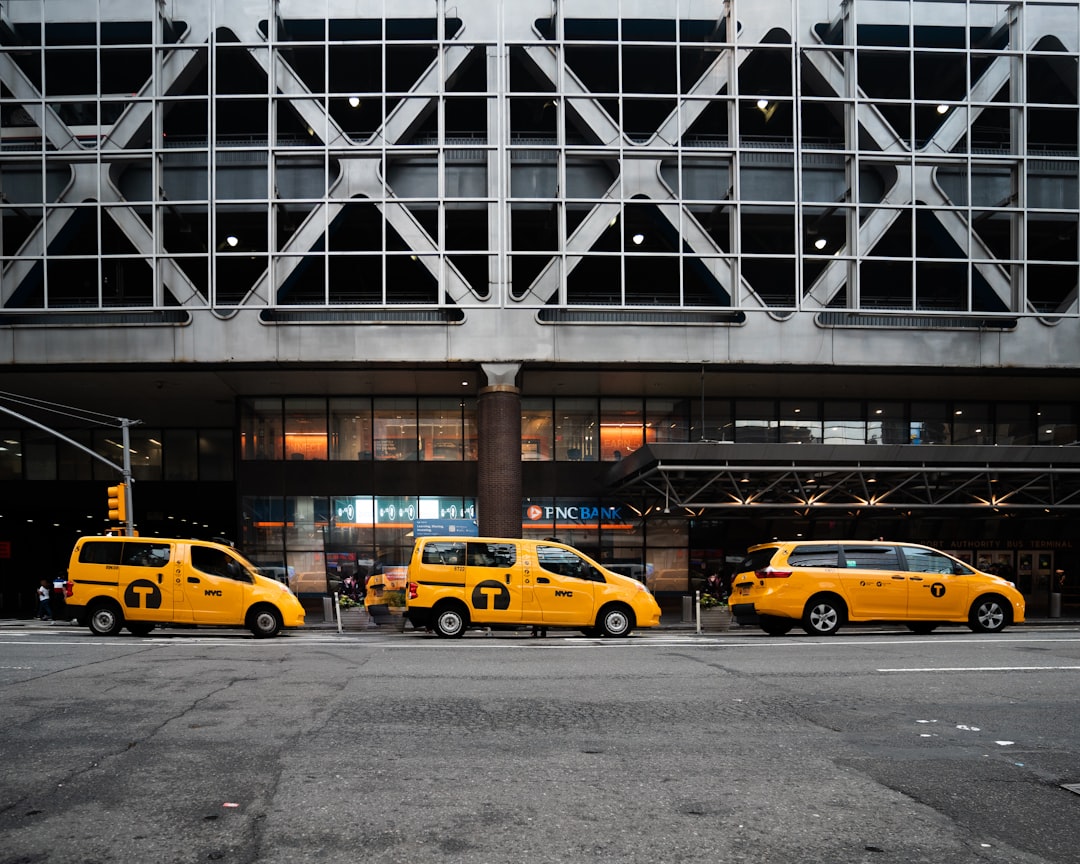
point(454, 583)
point(821, 585)
point(115, 582)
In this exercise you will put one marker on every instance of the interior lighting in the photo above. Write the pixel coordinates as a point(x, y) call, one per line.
point(232, 240)
point(820, 243)
point(354, 101)
point(638, 239)
point(762, 104)
point(942, 109)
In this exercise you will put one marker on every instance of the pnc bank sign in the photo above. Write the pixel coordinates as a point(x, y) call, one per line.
point(573, 514)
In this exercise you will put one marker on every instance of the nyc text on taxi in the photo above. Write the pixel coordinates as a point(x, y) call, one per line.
point(454, 583)
point(116, 582)
point(823, 584)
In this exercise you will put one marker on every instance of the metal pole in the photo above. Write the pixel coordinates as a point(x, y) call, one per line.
point(129, 527)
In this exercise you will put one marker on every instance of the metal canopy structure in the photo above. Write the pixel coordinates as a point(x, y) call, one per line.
point(716, 476)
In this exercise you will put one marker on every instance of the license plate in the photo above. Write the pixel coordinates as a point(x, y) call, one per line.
point(744, 590)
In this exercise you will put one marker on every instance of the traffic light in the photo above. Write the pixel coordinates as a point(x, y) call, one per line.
point(118, 502)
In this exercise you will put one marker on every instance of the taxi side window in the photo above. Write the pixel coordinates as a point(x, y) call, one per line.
point(100, 553)
point(450, 554)
point(814, 556)
point(871, 558)
point(491, 554)
point(566, 563)
point(926, 561)
point(214, 562)
point(145, 554)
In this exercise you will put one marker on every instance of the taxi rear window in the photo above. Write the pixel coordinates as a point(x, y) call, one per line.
point(814, 556)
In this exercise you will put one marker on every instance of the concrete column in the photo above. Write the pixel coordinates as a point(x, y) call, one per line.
point(498, 499)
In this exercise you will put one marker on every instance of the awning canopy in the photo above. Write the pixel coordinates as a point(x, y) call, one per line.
point(714, 476)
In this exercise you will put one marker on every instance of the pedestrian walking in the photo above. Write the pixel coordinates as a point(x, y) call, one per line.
point(44, 610)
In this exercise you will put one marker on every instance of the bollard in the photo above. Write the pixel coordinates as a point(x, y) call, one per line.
point(1055, 605)
point(327, 609)
point(688, 610)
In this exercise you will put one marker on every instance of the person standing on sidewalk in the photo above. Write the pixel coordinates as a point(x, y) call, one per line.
point(44, 611)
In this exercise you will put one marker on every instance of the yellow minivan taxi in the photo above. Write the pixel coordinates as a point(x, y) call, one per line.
point(820, 585)
point(457, 582)
point(116, 582)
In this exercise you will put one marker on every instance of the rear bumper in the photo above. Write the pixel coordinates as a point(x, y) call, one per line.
point(744, 613)
point(419, 617)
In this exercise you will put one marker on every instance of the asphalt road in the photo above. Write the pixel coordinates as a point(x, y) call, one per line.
point(871, 746)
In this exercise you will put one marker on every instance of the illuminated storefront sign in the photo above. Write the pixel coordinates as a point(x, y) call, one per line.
point(581, 512)
point(383, 511)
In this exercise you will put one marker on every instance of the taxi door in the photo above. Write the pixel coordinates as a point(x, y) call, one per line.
point(565, 585)
point(937, 587)
point(215, 586)
point(874, 581)
point(145, 584)
point(493, 582)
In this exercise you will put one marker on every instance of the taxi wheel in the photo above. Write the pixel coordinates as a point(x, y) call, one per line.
point(264, 622)
point(106, 620)
point(450, 621)
point(617, 621)
point(823, 615)
point(988, 615)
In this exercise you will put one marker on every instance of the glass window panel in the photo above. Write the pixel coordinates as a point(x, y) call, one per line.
point(537, 443)
point(844, 423)
point(1015, 424)
point(800, 422)
point(260, 429)
point(215, 454)
point(718, 424)
point(971, 423)
point(931, 423)
point(755, 421)
point(145, 453)
point(1057, 424)
point(181, 454)
point(73, 463)
point(621, 428)
point(39, 455)
point(350, 429)
point(305, 429)
point(668, 419)
point(395, 430)
point(886, 423)
point(440, 430)
point(576, 430)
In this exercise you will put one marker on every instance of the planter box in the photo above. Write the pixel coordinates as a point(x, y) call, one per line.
point(714, 619)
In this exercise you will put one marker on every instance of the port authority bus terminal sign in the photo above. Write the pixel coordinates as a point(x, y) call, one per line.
point(550, 515)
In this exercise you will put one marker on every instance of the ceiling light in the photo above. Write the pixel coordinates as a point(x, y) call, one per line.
point(638, 239)
point(762, 104)
point(232, 240)
point(942, 109)
point(820, 243)
point(354, 101)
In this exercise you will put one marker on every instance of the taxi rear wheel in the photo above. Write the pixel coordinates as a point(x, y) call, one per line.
point(450, 621)
point(264, 622)
point(823, 615)
point(616, 621)
point(988, 615)
point(106, 620)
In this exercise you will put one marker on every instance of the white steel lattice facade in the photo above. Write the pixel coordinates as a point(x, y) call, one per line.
point(711, 182)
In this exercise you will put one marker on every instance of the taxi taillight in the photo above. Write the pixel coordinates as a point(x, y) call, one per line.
point(770, 573)
point(413, 587)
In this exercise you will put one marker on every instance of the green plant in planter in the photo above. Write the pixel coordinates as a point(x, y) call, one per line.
point(708, 601)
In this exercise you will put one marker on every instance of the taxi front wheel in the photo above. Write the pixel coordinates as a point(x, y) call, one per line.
point(616, 621)
point(988, 615)
point(264, 622)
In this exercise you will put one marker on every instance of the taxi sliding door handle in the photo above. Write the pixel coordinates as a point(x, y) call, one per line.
point(542, 580)
point(193, 579)
point(507, 578)
point(915, 578)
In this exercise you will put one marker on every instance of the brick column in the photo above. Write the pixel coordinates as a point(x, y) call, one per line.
point(498, 499)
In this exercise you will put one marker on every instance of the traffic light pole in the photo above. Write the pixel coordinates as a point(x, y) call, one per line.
point(125, 469)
